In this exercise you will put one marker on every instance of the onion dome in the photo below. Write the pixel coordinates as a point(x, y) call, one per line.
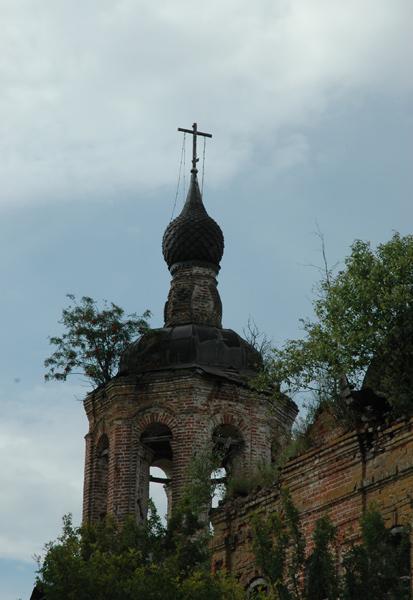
point(193, 237)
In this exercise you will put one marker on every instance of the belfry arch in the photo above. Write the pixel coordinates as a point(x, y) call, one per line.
point(101, 476)
point(229, 446)
point(155, 451)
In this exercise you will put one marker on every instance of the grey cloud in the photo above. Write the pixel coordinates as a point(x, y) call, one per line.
point(91, 91)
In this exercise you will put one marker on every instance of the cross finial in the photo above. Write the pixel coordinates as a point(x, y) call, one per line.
point(194, 132)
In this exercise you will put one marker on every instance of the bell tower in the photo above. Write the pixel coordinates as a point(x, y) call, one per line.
point(180, 388)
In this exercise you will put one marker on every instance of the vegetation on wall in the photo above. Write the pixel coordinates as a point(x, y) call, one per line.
point(94, 340)
point(363, 323)
point(155, 562)
point(279, 548)
point(113, 561)
point(375, 567)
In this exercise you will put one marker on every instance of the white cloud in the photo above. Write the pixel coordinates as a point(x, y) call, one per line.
point(93, 92)
point(42, 458)
point(294, 151)
point(41, 452)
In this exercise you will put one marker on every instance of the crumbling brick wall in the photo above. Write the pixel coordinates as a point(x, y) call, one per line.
point(342, 475)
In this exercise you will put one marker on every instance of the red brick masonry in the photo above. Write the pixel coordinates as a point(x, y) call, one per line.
point(341, 476)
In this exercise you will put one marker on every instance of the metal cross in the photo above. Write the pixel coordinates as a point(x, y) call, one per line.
point(194, 132)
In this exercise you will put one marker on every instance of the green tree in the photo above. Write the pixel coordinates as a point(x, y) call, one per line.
point(94, 340)
point(108, 562)
point(322, 579)
point(378, 568)
point(279, 548)
point(155, 562)
point(375, 566)
point(363, 318)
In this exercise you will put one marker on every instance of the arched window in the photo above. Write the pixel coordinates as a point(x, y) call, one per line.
point(155, 468)
point(228, 443)
point(399, 542)
point(257, 587)
point(101, 477)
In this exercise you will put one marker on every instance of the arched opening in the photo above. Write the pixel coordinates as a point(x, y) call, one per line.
point(399, 544)
point(101, 477)
point(256, 588)
point(155, 470)
point(228, 444)
point(276, 449)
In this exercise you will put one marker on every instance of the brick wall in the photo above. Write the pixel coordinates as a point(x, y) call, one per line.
point(191, 404)
point(341, 476)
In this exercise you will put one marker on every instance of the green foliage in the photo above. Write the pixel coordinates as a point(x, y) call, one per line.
point(270, 543)
point(108, 562)
point(201, 486)
point(265, 475)
point(378, 568)
point(297, 541)
point(241, 486)
point(155, 562)
point(322, 575)
point(94, 340)
point(362, 314)
point(301, 438)
point(279, 548)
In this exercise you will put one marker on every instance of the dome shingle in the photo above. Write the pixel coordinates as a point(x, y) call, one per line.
point(193, 236)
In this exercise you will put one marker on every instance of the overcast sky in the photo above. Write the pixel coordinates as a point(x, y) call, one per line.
point(309, 106)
